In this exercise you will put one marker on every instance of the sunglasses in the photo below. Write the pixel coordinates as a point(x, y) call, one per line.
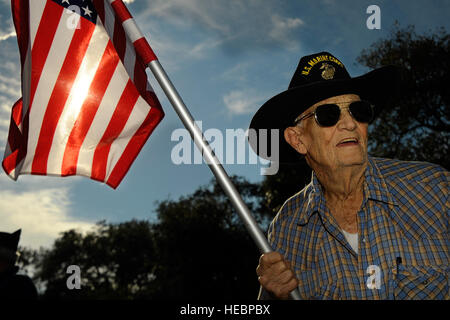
point(327, 115)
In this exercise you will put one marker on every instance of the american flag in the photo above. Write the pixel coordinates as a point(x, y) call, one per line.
point(87, 107)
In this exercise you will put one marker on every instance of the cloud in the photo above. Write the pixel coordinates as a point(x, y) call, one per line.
point(281, 27)
point(42, 211)
point(236, 25)
point(242, 101)
point(7, 36)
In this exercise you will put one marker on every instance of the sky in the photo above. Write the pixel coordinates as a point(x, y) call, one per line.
point(226, 58)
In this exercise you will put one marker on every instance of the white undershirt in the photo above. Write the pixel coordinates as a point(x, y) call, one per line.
point(352, 239)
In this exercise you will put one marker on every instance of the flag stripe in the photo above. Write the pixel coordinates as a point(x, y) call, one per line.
point(115, 126)
point(43, 42)
point(100, 8)
point(119, 40)
point(144, 51)
point(69, 70)
point(133, 148)
point(14, 140)
point(101, 120)
point(20, 8)
point(86, 116)
point(122, 12)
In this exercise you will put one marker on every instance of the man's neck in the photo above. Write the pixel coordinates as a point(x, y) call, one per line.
point(343, 183)
point(343, 191)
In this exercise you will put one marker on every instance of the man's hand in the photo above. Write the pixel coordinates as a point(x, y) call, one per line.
point(275, 275)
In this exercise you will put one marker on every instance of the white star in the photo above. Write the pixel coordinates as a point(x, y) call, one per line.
point(65, 1)
point(87, 12)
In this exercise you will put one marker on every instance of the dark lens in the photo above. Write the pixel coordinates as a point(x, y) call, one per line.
point(362, 111)
point(327, 115)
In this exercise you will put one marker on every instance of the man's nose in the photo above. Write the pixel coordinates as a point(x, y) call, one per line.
point(346, 120)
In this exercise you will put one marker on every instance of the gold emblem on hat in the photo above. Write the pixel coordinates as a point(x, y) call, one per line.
point(329, 71)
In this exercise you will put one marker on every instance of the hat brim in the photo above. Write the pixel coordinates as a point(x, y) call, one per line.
point(379, 86)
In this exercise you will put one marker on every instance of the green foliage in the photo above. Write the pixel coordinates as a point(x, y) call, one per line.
point(203, 249)
point(116, 262)
point(417, 127)
point(289, 180)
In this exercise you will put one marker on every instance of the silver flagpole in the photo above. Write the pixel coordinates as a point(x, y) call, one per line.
point(134, 34)
point(212, 161)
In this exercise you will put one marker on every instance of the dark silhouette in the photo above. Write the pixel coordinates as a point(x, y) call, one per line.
point(13, 285)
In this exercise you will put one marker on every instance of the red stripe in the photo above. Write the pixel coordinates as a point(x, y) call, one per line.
point(140, 77)
point(20, 12)
point(134, 146)
point(115, 127)
point(43, 42)
point(15, 140)
point(144, 51)
point(119, 39)
point(99, 6)
point(121, 10)
point(90, 106)
point(61, 91)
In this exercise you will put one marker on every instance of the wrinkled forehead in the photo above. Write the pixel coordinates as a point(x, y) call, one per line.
point(343, 99)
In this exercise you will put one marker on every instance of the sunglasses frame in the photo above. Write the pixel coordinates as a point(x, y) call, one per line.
point(313, 113)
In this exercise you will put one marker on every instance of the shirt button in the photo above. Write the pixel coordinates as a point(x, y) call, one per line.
point(425, 282)
point(364, 239)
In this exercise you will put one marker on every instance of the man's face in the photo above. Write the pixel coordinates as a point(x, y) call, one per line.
point(342, 145)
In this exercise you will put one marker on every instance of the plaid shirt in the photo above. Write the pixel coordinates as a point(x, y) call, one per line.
point(403, 239)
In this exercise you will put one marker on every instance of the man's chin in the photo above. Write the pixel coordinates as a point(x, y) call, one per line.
point(359, 160)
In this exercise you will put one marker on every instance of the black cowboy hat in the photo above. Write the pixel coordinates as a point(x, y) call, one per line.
point(318, 77)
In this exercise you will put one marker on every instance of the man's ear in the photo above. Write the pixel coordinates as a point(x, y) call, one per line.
point(293, 136)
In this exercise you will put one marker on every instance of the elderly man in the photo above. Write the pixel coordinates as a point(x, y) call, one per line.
point(364, 228)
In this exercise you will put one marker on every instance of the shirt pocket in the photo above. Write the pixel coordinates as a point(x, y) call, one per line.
point(419, 283)
point(327, 292)
point(313, 289)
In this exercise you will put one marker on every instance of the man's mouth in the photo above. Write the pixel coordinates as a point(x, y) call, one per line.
point(348, 142)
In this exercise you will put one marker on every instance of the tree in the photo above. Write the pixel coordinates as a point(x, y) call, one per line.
point(116, 262)
point(204, 251)
point(417, 127)
point(289, 180)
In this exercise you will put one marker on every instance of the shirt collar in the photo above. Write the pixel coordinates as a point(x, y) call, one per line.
point(376, 187)
point(313, 203)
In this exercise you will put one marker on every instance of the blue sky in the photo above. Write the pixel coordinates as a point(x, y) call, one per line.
point(225, 58)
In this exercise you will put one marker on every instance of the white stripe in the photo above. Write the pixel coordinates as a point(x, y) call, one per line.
point(77, 96)
point(132, 30)
point(130, 59)
point(137, 117)
point(50, 72)
point(109, 20)
point(36, 10)
point(101, 121)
